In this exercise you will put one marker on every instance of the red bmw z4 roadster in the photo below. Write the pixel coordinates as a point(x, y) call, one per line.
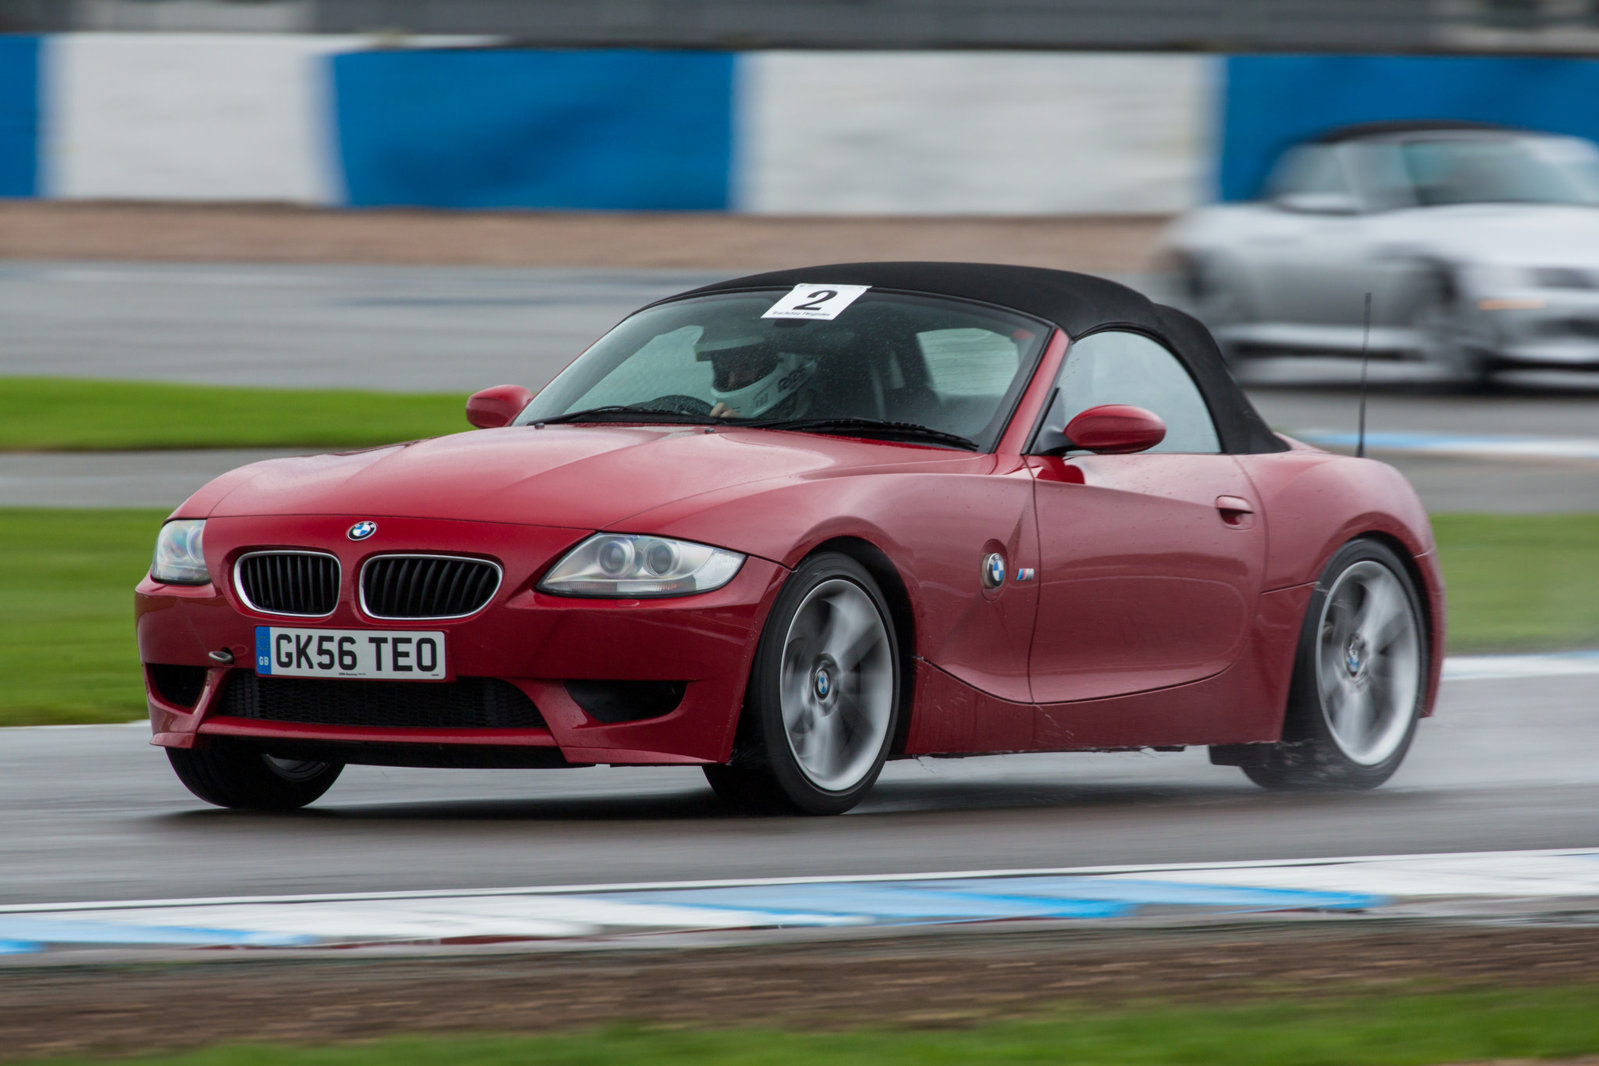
point(789, 526)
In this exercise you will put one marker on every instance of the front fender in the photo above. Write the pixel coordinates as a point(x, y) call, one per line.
point(936, 528)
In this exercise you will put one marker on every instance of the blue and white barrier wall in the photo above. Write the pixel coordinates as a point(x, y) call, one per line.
point(333, 120)
point(330, 120)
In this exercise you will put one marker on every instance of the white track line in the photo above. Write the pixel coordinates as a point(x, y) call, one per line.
point(1514, 859)
point(1496, 667)
point(1459, 445)
point(1369, 884)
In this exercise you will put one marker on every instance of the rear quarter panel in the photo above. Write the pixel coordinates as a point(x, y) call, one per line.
point(1315, 502)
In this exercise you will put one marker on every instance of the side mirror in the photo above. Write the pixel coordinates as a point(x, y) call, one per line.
point(496, 407)
point(1319, 203)
point(1116, 429)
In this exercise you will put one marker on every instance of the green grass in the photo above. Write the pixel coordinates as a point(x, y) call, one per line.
point(1393, 1030)
point(67, 651)
point(1520, 582)
point(51, 414)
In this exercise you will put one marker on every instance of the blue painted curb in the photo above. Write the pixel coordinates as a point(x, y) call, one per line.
point(22, 929)
point(1553, 447)
point(982, 899)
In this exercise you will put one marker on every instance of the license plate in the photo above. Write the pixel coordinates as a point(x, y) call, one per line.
point(353, 653)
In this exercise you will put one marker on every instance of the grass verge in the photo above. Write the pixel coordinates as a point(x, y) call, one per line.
point(1520, 582)
point(53, 414)
point(1393, 1030)
point(67, 653)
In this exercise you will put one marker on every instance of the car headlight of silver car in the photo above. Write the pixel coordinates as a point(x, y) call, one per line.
point(1504, 288)
point(179, 554)
point(628, 566)
point(1565, 278)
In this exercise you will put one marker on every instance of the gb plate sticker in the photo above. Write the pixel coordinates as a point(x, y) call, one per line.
point(816, 301)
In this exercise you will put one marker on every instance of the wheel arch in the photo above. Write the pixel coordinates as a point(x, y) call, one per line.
point(1429, 592)
point(1401, 549)
point(1423, 573)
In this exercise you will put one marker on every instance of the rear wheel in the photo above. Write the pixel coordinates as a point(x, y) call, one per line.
point(823, 698)
point(251, 780)
point(1359, 678)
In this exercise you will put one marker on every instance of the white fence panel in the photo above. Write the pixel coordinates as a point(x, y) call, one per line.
point(190, 117)
point(973, 132)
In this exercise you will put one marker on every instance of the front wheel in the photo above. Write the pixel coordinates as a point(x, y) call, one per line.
point(1448, 335)
point(822, 705)
point(251, 780)
point(1360, 676)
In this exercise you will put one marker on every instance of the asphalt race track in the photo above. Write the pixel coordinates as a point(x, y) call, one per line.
point(93, 813)
point(402, 328)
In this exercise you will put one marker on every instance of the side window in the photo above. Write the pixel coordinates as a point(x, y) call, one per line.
point(1118, 367)
point(1308, 170)
point(968, 362)
point(1384, 181)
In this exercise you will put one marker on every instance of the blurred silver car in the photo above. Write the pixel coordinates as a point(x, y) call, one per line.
point(1479, 245)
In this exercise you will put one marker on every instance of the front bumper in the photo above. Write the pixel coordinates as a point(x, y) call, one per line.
point(699, 648)
point(1544, 328)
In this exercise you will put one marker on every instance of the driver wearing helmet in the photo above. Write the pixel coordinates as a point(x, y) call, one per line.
point(751, 379)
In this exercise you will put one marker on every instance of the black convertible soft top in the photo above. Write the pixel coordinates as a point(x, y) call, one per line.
point(1078, 303)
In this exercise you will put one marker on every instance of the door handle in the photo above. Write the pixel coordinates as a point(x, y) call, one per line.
point(1236, 511)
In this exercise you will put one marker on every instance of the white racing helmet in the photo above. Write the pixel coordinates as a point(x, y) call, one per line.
point(748, 375)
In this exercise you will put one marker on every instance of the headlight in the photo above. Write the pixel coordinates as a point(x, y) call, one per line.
point(179, 556)
point(1503, 288)
point(627, 566)
point(1565, 278)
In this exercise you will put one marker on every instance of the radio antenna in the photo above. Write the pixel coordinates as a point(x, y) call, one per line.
point(1365, 361)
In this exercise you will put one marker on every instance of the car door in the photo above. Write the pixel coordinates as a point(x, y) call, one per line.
point(1307, 251)
point(1150, 564)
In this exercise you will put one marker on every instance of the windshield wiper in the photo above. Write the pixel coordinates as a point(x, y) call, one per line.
point(618, 412)
point(866, 427)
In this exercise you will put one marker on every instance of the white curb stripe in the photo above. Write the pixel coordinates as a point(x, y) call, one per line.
point(1494, 667)
point(1473, 447)
point(547, 917)
point(557, 913)
point(1517, 859)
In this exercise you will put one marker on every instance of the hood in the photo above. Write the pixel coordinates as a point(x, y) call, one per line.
point(580, 477)
point(1522, 235)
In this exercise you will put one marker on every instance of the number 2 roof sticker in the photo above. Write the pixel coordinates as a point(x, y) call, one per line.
point(807, 300)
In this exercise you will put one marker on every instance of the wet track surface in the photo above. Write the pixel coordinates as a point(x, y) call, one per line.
point(93, 813)
point(400, 328)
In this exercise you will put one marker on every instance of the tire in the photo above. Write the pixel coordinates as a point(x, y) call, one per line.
point(1360, 676)
point(251, 780)
point(822, 705)
point(1447, 338)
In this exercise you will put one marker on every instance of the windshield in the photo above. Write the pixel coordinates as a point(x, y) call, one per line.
point(1470, 170)
point(769, 357)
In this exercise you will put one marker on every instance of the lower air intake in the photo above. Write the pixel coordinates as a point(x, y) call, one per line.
point(466, 703)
